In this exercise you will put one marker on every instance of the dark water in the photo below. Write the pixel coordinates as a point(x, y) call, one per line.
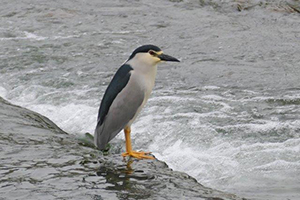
point(228, 114)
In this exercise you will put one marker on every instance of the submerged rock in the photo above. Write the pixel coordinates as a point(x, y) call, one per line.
point(41, 161)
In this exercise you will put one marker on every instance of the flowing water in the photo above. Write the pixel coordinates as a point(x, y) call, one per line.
point(228, 114)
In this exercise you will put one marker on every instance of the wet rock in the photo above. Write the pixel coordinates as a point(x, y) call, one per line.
point(148, 179)
point(41, 161)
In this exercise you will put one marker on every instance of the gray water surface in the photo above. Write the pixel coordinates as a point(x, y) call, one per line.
point(228, 114)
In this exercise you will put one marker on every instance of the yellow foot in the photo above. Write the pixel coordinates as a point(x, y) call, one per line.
point(138, 155)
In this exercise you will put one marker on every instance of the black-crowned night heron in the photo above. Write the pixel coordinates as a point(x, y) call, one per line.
point(126, 95)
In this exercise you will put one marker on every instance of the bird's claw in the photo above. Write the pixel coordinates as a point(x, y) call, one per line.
point(138, 155)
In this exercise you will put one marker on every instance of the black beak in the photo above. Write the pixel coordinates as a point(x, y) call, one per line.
point(165, 57)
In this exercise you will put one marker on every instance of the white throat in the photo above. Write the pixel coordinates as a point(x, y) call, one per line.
point(144, 64)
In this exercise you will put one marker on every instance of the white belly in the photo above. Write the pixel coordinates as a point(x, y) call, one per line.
point(146, 81)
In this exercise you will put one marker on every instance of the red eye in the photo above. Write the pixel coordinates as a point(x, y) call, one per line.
point(152, 53)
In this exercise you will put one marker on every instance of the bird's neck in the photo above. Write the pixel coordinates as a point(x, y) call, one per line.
point(148, 74)
point(148, 70)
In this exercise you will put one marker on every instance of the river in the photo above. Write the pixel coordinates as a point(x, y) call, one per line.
point(227, 114)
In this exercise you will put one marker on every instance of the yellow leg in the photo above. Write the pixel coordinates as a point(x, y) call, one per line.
point(129, 151)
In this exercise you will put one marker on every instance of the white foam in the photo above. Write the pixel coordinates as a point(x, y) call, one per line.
point(226, 165)
point(73, 118)
point(207, 166)
point(3, 92)
point(171, 98)
point(34, 36)
point(213, 97)
point(211, 87)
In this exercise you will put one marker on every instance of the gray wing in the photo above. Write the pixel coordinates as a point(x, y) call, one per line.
point(116, 85)
point(122, 108)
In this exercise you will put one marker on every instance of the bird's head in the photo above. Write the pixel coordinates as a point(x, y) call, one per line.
point(150, 54)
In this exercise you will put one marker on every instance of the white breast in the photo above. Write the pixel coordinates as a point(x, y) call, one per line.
point(144, 74)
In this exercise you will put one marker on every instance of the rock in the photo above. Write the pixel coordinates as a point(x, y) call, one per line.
point(152, 179)
point(41, 161)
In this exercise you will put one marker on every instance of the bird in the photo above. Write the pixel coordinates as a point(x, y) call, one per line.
point(126, 95)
